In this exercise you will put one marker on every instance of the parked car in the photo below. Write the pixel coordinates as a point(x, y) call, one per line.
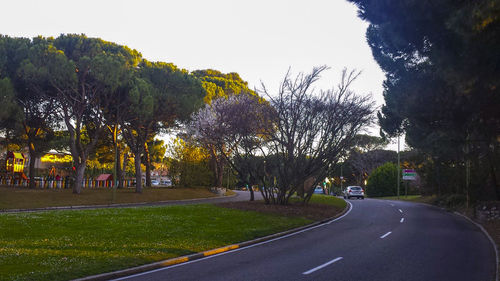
point(354, 191)
point(319, 190)
point(155, 182)
point(166, 182)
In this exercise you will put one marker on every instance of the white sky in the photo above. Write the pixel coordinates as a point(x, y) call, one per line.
point(259, 39)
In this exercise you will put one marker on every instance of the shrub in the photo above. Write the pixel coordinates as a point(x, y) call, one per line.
point(451, 201)
point(383, 181)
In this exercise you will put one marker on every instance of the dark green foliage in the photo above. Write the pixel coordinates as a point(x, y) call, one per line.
point(192, 173)
point(9, 111)
point(383, 181)
point(450, 201)
point(442, 89)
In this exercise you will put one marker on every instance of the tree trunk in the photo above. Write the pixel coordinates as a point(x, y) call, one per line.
point(148, 165)
point(119, 171)
point(252, 197)
point(124, 166)
point(220, 172)
point(138, 172)
point(31, 169)
point(80, 172)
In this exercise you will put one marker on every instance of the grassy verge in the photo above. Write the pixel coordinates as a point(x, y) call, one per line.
point(328, 200)
point(24, 198)
point(411, 198)
point(320, 207)
point(62, 245)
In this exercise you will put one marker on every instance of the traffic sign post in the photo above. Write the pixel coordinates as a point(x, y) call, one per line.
point(408, 175)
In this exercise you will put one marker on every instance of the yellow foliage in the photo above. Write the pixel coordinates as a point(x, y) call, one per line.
point(188, 152)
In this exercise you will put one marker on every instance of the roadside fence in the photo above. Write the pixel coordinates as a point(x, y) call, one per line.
point(46, 183)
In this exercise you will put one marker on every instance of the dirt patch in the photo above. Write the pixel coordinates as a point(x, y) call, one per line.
point(310, 211)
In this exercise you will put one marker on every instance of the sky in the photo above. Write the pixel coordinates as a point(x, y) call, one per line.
point(259, 39)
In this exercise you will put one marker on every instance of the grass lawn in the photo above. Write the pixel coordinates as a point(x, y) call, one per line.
point(24, 198)
point(62, 245)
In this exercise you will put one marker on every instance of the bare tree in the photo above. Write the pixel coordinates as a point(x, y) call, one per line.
point(313, 132)
point(233, 129)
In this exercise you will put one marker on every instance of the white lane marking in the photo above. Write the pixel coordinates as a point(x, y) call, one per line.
point(237, 250)
point(385, 235)
point(321, 266)
point(402, 220)
point(401, 211)
point(392, 205)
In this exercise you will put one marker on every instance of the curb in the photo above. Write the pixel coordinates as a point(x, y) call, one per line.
point(192, 257)
point(489, 237)
point(108, 206)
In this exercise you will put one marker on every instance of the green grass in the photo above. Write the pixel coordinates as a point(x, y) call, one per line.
point(24, 198)
point(411, 198)
point(62, 245)
point(322, 199)
point(328, 200)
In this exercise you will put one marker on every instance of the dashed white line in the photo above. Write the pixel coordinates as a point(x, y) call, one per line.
point(401, 211)
point(402, 220)
point(392, 205)
point(385, 235)
point(321, 266)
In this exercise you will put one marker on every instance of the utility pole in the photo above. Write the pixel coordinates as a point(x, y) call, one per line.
point(398, 168)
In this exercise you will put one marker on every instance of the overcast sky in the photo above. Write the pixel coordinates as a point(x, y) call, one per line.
point(259, 39)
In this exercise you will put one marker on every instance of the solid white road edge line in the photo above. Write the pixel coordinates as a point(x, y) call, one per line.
point(236, 250)
point(385, 235)
point(401, 211)
point(402, 220)
point(321, 266)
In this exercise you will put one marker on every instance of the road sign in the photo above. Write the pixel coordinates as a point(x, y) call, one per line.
point(409, 174)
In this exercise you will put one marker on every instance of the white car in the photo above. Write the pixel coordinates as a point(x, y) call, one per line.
point(155, 182)
point(354, 191)
point(166, 182)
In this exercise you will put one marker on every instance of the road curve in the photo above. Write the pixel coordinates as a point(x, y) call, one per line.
point(376, 240)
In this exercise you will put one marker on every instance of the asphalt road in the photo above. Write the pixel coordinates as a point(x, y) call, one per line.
point(375, 240)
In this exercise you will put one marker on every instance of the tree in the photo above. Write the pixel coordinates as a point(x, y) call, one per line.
point(363, 163)
point(12, 52)
point(442, 85)
point(217, 86)
point(37, 99)
point(9, 111)
point(383, 181)
point(32, 120)
point(154, 152)
point(160, 96)
point(190, 164)
point(313, 132)
point(232, 129)
point(85, 72)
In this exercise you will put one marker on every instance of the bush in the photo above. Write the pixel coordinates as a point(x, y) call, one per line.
point(383, 181)
point(451, 201)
